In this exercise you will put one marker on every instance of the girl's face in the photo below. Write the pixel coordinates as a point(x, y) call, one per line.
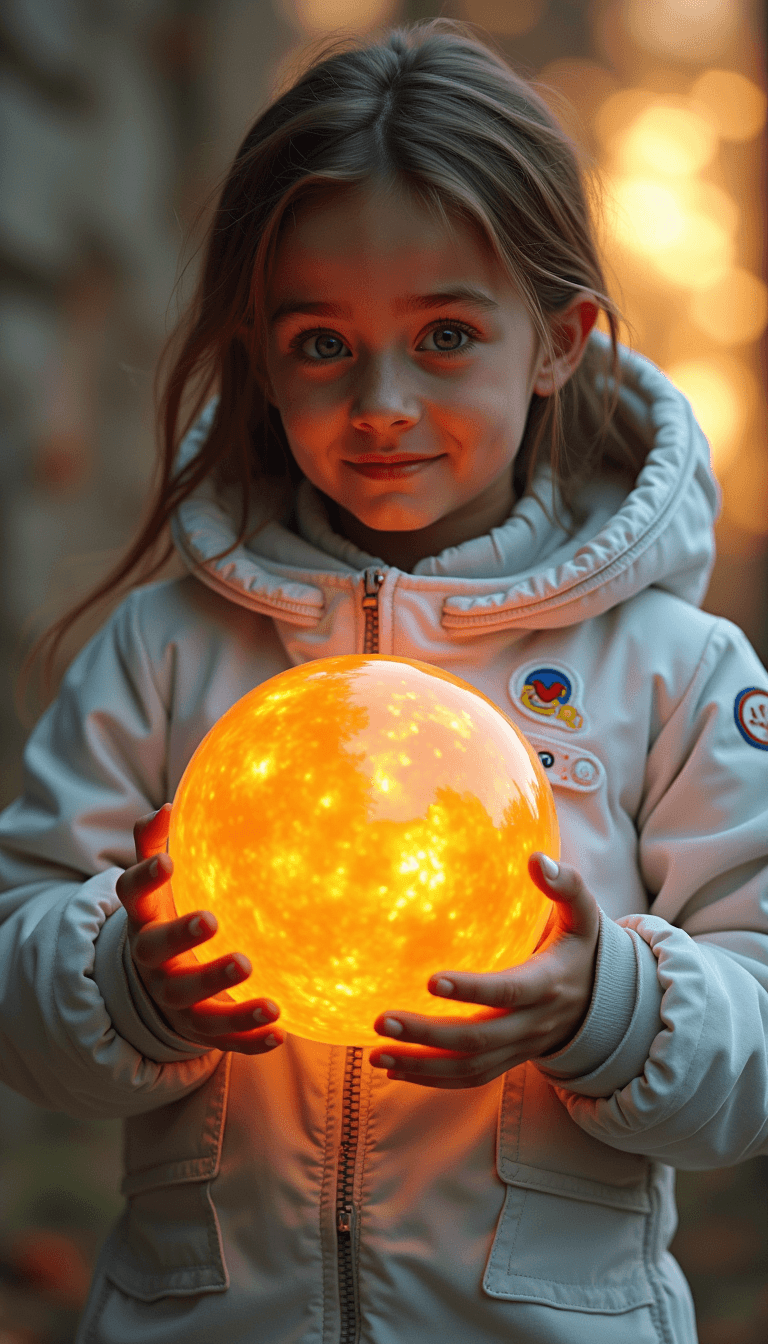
point(402, 362)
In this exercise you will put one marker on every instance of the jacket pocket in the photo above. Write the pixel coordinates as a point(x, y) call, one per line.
point(574, 1227)
point(168, 1241)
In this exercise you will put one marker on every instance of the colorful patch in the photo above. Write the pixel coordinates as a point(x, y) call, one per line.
point(751, 714)
point(548, 692)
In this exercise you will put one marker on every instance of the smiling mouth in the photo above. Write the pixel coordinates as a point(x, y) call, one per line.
point(383, 466)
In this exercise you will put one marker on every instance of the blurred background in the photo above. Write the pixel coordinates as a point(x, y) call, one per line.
point(117, 118)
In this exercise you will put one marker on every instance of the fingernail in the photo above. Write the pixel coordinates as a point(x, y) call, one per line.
point(235, 971)
point(386, 1061)
point(154, 868)
point(195, 926)
point(267, 1014)
point(392, 1027)
point(444, 988)
point(550, 869)
point(271, 1041)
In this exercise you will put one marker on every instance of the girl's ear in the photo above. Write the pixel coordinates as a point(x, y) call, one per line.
point(571, 329)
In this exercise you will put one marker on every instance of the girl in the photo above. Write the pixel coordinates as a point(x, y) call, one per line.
point(419, 447)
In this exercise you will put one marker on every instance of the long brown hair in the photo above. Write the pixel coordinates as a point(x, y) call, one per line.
point(433, 109)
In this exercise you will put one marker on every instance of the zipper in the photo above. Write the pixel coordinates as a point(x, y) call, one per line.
point(345, 1208)
point(346, 1220)
point(373, 580)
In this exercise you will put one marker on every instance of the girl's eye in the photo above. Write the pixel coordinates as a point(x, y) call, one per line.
point(323, 346)
point(447, 338)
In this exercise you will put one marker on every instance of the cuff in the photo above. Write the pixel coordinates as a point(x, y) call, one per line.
point(613, 1043)
point(132, 1012)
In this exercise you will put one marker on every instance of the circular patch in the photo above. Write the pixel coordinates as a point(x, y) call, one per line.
point(751, 714)
point(547, 692)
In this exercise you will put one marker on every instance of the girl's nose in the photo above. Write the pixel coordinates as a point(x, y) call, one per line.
point(382, 400)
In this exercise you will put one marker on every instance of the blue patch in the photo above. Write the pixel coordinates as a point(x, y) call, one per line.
point(750, 711)
point(546, 692)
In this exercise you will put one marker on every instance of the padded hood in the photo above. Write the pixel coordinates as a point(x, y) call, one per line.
point(529, 573)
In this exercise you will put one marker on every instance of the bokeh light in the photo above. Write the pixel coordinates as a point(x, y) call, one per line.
point(687, 30)
point(317, 17)
point(357, 824)
point(667, 138)
point(501, 17)
point(735, 104)
point(734, 310)
point(718, 391)
point(678, 197)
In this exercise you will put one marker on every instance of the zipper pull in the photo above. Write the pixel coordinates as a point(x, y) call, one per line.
point(373, 580)
point(345, 1220)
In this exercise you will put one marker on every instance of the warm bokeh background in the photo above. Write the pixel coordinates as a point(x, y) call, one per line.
point(117, 119)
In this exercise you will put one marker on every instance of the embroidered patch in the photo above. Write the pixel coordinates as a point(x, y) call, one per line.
point(549, 693)
point(751, 714)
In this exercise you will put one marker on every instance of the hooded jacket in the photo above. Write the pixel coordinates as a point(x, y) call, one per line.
point(539, 1206)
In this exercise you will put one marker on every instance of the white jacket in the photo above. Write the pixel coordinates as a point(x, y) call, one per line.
point(538, 1207)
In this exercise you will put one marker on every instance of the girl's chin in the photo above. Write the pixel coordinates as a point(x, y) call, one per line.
point(394, 521)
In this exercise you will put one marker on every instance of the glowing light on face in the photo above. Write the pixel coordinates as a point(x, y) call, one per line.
point(356, 824)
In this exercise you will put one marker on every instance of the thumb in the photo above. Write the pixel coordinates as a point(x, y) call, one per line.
point(577, 909)
point(150, 834)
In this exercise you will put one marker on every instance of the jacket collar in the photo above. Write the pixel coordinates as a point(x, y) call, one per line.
point(528, 573)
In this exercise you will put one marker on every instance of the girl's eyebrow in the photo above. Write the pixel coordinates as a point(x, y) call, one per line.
point(409, 303)
point(316, 309)
point(466, 294)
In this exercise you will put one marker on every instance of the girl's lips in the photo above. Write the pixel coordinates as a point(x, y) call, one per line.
point(391, 469)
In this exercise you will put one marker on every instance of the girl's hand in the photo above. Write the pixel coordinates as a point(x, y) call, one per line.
point(539, 1005)
point(192, 998)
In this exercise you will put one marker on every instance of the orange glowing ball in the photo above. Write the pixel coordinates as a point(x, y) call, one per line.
point(357, 824)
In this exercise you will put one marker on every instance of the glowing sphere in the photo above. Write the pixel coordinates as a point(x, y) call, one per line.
point(357, 824)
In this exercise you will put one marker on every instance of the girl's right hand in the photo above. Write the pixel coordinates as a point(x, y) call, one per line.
point(161, 945)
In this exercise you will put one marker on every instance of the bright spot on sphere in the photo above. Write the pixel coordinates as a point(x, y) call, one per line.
point(736, 105)
point(346, 896)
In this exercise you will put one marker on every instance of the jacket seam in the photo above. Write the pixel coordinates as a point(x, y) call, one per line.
point(649, 1240)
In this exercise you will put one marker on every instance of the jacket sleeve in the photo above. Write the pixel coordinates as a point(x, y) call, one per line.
point(77, 1032)
point(672, 1060)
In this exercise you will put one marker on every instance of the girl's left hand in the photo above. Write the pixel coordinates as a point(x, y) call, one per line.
point(539, 1005)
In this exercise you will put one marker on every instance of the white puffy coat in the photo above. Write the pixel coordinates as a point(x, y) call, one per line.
point(538, 1207)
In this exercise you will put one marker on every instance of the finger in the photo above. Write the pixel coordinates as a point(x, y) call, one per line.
point(411, 1065)
point(150, 832)
point(505, 991)
point(459, 1035)
point(144, 891)
point(173, 988)
point(452, 1084)
point(252, 1043)
point(160, 942)
point(521, 1031)
point(577, 907)
point(214, 1018)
